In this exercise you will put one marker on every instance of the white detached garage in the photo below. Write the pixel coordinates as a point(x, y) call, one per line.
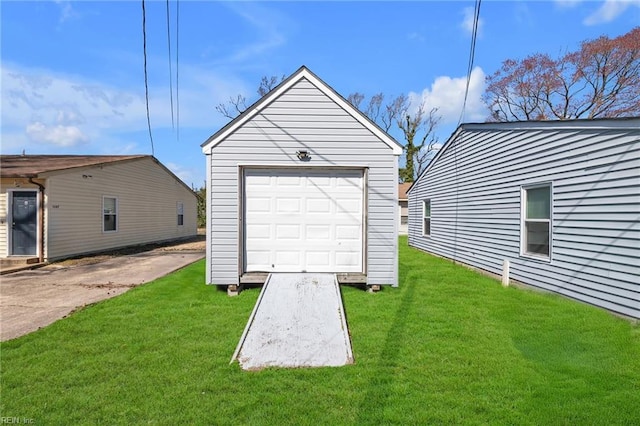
point(302, 182)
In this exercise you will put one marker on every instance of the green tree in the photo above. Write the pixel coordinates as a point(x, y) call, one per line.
point(201, 194)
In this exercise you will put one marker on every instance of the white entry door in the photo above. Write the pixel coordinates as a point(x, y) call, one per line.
point(303, 220)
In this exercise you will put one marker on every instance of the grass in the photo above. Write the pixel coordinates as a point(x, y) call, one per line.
point(448, 346)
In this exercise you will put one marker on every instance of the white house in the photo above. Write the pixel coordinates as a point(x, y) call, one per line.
point(302, 181)
point(56, 206)
point(559, 201)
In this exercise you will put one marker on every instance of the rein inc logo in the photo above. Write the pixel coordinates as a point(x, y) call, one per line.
point(17, 421)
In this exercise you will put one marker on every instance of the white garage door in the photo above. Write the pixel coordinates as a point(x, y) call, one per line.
point(302, 220)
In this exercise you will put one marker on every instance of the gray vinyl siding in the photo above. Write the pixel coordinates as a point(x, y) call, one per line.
point(147, 197)
point(302, 117)
point(593, 172)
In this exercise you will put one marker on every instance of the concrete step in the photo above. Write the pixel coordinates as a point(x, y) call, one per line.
point(13, 261)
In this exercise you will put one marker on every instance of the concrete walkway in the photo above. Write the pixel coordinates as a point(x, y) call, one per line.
point(298, 321)
point(35, 298)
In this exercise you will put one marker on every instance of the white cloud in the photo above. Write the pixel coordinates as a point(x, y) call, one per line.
point(609, 11)
point(67, 12)
point(33, 95)
point(187, 175)
point(416, 36)
point(65, 110)
point(567, 4)
point(59, 135)
point(467, 21)
point(447, 94)
point(268, 25)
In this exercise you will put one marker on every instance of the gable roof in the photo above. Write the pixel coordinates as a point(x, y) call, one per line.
point(402, 190)
point(302, 73)
point(32, 166)
point(26, 166)
point(578, 124)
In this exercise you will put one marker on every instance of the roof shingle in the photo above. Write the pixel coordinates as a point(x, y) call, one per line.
point(30, 166)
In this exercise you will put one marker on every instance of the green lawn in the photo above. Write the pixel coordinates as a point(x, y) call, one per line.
point(448, 346)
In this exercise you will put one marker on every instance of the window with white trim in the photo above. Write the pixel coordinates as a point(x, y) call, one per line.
point(180, 211)
point(109, 214)
point(426, 217)
point(536, 221)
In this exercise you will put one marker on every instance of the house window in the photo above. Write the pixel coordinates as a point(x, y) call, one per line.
point(536, 221)
point(426, 217)
point(109, 214)
point(180, 210)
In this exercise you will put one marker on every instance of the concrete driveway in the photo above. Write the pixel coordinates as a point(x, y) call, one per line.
point(35, 298)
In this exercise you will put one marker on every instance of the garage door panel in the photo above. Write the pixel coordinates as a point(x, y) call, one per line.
point(350, 206)
point(262, 232)
point(348, 232)
point(288, 259)
point(260, 259)
point(291, 180)
point(303, 220)
point(318, 206)
point(288, 205)
point(318, 232)
point(288, 232)
point(346, 259)
point(348, 182)
point(258, 205)
point(318, 259)
point(319, 181)
point(260, 179)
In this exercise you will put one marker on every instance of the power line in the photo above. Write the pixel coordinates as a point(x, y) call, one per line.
point(472, 53)
point(474, 35)
point(146, 81)
point(173, 126)
point(177, 68)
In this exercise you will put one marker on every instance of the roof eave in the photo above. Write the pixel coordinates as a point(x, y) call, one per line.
point(444, 147)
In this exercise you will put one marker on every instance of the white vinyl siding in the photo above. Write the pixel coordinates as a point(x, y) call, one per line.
point(595, 205)
point(303, 117)
point(110, 214)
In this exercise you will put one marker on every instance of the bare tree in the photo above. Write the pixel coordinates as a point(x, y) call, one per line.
point(420, 140)
point(355, 99)
point(417, 127)
point(601, 79)
point(238, 105)
point(383, 116)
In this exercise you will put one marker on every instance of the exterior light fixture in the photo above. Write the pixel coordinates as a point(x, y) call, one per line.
point(303, 155)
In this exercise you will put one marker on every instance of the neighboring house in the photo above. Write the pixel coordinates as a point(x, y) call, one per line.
point(403, 207)
point(302, 181)
point(56, 206)
point(560, 201)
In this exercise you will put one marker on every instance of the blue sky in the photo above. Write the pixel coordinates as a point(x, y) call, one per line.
point(72, 77)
